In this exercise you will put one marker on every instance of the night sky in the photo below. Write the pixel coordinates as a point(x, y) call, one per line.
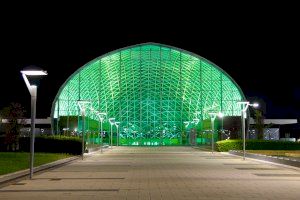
point(257, 46)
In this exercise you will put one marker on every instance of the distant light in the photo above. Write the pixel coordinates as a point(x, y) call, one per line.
point(111, 120)
point(196, 120)
point(34, 72)
point(255, 105)
point(186, 123)
point(220, 115)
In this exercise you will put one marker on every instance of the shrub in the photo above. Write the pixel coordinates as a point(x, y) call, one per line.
point(226, 145)
point(53, 144)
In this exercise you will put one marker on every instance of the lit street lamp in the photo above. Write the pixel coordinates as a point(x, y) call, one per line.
point(213, 116)
point(101, 118)
point(117, 126)
point(35, 75)
point(83, 106)
point(193, 132)
point(196, 121)
point(245, 105)
point(186, 124)
point(112, 122)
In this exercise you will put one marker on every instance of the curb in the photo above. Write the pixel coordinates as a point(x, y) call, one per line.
point(273, 159)
point(23, 173)
point(202, 148)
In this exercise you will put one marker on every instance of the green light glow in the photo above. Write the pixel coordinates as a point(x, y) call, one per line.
point(151, 89)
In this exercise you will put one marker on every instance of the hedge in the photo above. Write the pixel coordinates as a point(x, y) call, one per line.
point(226, 145)
point(51, 144)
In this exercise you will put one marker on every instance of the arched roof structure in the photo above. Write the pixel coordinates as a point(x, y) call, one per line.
point(151, 89)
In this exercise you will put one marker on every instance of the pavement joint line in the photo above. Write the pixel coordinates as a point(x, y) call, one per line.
point(64, 190)
point(80, 178)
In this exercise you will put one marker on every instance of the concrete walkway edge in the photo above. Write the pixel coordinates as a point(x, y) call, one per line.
point(283, 161)
point(23, 173)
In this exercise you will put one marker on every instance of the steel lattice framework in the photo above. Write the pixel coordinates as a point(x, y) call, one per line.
point(152, 89)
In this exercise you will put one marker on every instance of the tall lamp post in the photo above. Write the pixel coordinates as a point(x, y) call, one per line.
point(213, 116)
point(36, 75)
point(112, 122)
point(83, 106)
point(186, 125)
point(194, 139)
point(117, 126)
point(101, 116)
point(245, 105)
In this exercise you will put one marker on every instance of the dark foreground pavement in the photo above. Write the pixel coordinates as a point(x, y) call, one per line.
point(160, 173)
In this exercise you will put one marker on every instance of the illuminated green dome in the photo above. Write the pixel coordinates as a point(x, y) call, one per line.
point(151, 89)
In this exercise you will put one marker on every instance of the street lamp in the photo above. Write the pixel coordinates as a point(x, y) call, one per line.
point(196, 121)
point(82, 106)
point(213, 116)
point(112, 122)
point(193, 132)
point(117, 126)
point(186, 124)
point(101, 116)
point(36, 75)
point(245, 105)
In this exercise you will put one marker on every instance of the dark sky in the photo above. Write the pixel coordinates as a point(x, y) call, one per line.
point(257, 45)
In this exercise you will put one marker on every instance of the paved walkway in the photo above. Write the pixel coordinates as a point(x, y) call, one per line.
point(160, 173)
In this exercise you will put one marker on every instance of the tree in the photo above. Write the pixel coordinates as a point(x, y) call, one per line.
point(14, 114)
point(259, 124)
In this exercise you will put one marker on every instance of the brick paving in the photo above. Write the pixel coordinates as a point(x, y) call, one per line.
point(160, 173)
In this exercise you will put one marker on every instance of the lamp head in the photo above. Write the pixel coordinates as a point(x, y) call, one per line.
point(32, 75)
point(220, 115)
point(117, 124)
point(212, 114)
point(111, 121)
point(186, 123)
point(255, 105)
point(100, 113)
point(196, 121)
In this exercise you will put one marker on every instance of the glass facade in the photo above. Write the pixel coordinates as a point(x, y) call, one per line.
point(151, 89)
